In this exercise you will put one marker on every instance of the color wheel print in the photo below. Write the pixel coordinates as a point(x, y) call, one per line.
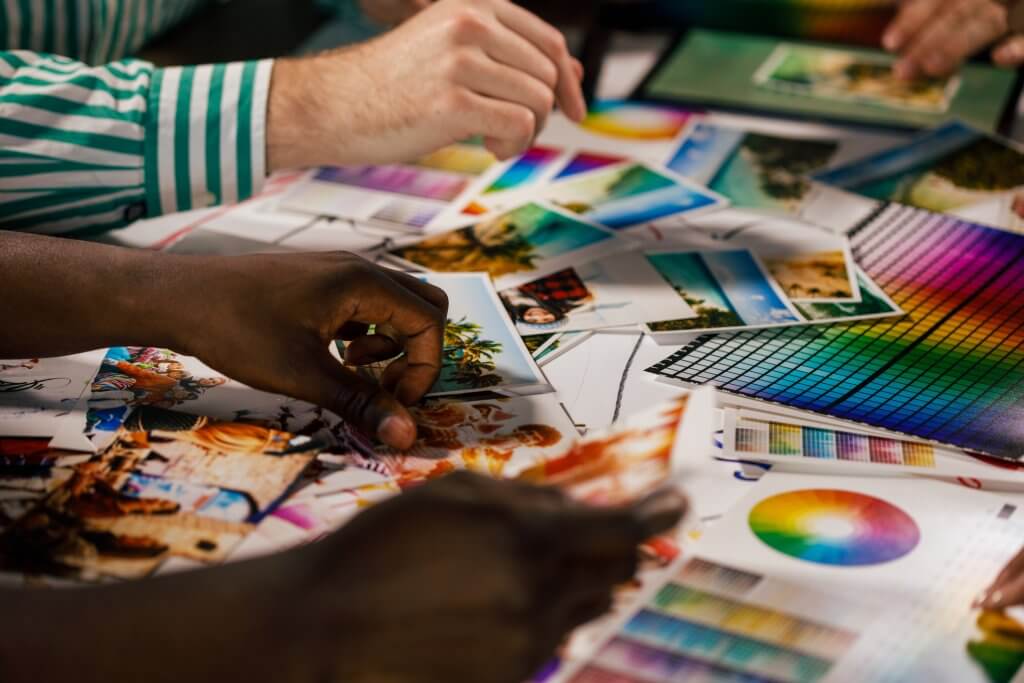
point(834, 527)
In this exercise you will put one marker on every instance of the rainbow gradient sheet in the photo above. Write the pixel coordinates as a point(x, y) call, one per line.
point(834, 527)
point(633, 121)
point(951, 371)
point(526, 169)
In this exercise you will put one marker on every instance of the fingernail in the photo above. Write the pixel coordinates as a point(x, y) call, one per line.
point(891, 41)
point(980, 599)
point(397, 432)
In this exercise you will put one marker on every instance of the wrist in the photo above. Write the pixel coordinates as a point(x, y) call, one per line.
point(298, 121)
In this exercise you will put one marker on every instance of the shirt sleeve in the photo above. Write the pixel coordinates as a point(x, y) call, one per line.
point(87, 149)
point(92, 31)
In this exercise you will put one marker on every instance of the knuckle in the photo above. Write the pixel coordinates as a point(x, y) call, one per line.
point(457, 63)
point(549, 73)
point(467, 25)
point(456, 101)
point(554, 42)
point(521, 123)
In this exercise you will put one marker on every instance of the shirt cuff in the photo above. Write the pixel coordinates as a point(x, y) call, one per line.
point(206, 135)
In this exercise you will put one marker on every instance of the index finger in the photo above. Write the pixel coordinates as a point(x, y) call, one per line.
point(957, 33)
point(909, 21)
point(593, 531)
point(552, 43)
point(434, 295)
point(419, 322)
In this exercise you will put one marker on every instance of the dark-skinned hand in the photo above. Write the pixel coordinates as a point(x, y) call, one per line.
point(471, 579)
point(1008, 588)
point(274, 317)
point(464, 580)
point(265, 320)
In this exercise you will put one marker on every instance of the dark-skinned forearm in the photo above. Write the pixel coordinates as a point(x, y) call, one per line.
point(229, 623)
point(64, 296)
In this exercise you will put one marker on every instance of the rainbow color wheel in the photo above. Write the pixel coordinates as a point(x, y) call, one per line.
point(834, 527)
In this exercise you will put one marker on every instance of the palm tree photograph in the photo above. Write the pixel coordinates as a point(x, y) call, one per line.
point(518, 241)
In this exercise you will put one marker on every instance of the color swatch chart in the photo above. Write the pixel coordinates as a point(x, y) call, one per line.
point(779, 438)
point(951, 371)
point(701, 626)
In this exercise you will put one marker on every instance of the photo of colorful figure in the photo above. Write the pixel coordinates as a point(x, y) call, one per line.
point(849, 75)
point(171, 485)
point(499, 438)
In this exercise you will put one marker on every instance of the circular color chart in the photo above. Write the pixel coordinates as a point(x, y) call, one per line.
point(835, 527)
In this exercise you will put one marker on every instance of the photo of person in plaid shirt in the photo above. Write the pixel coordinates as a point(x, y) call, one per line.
point(547, 302)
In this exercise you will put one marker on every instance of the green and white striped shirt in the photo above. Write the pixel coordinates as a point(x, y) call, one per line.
point(88, 148)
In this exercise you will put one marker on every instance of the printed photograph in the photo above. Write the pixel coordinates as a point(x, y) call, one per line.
point(482, 350)
point(611, 292)
point(630, 459)
point(726, 290)
point(819, 276)
point(874, 303)
point(629, 195)
point(845, 75)
point(511, 246)
point(171, 485)
point(752, 170)
point(945, 170)
point(496, 437)
point(36, 392)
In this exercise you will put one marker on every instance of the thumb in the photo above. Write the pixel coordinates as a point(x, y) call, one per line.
point(359, 401)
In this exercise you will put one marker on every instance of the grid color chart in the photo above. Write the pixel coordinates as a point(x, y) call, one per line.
point(951, 371)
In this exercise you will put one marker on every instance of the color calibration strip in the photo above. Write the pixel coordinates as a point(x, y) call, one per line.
point(699, 627)
point(951, 371)
point(783, 439)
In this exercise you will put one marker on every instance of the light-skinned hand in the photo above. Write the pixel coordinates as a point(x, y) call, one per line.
point(456, 70)
point(934, 37)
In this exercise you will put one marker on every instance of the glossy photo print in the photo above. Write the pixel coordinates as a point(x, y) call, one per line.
point(628, 195)
point(953, 169)
point(482, 350)
point(513, 247)
point(852, 76)
point(752, 170)
point(727, 290)
point(171, 485)
point(499, 437)
point(618, 290)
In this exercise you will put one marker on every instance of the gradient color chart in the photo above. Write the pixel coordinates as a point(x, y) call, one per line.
point(775, 437)
point(526, 169)
point(585, 162)
point(834, 527)
point(634, 121)
point(702, 626)
point(951, 371)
